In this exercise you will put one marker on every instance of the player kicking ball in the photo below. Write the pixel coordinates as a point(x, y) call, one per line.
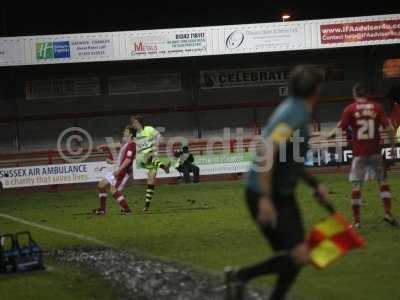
point(271, 186)
point(147, 138)
point(366, 117)
point(116, 180)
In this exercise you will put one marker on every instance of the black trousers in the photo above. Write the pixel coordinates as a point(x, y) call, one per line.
point(186, 169)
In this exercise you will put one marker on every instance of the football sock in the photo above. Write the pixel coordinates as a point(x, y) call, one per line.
point(149, 194)
point(356, 202)
point(103, 198)
point(386, 198)
point(121, 200)
point(282, 265)
point(157, 163)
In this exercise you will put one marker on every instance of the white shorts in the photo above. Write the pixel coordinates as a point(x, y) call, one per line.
point(364, 168)
point(118, 182)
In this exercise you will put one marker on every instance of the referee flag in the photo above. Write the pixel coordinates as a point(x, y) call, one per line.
point(330, 239)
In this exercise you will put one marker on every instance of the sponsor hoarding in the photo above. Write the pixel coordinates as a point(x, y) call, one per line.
point(244, 77)
point(216, 164)
point(95, 171)
point(256, 38)
point(90, 48)
point(157, 44)
point(210, 40)
point(12, 50)
point(53, 174)
point(360, 32)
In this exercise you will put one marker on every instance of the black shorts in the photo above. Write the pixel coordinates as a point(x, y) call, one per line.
point(289, 231)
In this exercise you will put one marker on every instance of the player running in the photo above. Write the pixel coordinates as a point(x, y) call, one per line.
point(115, 181)
point(366, 117)
point(271, 188)
point(147, 138)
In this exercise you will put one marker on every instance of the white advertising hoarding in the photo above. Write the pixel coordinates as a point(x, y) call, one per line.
point(92, 48)
point(53, 174)
point(12, 51)
point(261, 38)
point(167, 44)
point(94, 171)
point(199, 41)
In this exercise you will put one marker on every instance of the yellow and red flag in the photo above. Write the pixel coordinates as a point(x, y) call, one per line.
point(330, 239)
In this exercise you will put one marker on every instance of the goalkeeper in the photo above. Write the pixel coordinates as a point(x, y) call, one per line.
point(147, 138)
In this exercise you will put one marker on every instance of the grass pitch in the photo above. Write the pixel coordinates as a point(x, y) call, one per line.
point(205, 226)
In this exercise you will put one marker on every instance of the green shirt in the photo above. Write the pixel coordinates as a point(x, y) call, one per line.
point(146, 140)
point(291, 118)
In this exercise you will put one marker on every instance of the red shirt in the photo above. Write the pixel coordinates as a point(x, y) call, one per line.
point(395, 116)
point(365, 119)
point(127, 151)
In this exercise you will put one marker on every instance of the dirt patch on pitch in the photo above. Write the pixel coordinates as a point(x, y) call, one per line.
point(137, 277)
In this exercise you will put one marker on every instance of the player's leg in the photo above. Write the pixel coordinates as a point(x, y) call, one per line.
point(377, 164)
point(356, 203)
point(186, 174)
point(158, 163)
point(289, 236)
point(102, 188)
point(358, 171)
point(151, 179)
point(116, 191)
point(386, 197)
point(196, 173)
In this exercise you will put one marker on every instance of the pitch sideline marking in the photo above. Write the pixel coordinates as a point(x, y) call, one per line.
point(55, 230)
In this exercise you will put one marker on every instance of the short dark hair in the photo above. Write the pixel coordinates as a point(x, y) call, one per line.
point(131, 130)
point(185, 148)
point(138, 118)
point(360, 90)
point(305, 81)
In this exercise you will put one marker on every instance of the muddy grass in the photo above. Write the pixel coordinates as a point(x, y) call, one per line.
point(137, 277)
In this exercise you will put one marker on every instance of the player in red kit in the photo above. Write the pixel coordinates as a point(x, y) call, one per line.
point(365, 118)
point(115, 181)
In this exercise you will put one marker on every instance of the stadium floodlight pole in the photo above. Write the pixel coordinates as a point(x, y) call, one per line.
point(285, 17)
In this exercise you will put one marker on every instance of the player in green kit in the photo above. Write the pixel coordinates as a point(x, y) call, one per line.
point(273, 178)
point(147, 156)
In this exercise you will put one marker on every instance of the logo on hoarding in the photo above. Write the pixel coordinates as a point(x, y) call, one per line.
point(51, 50)
point(209, 79)
point(99, 169)
point(234, 40)
point(140, 47)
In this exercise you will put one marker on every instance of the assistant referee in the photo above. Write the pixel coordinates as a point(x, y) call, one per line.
point(273, 178)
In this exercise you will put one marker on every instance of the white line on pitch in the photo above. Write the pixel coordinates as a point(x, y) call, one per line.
point(55, 230)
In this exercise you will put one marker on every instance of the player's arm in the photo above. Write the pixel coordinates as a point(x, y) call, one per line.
point(388, 129)
point(267, 213)
point(320, 193)
point(103, 147)
point(127, 161)
point(156, 137)
point(391, 133)
point(342, 125)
